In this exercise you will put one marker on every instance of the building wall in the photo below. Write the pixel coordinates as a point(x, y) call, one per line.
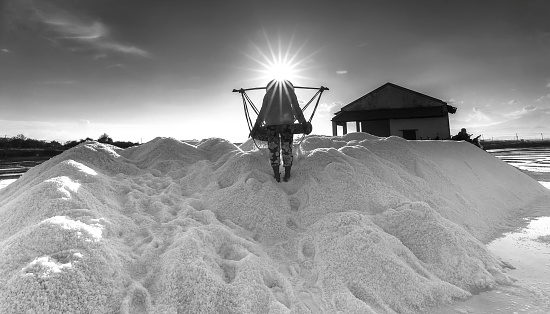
point(378, 127)
point(426, 127)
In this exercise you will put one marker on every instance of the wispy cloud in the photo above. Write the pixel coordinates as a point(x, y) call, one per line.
point(342, 72)
point(83, 122)
point(123, 48)
point(478, 115)
point(519, 113)
point(4, 50)
point(453, 101)
point(68, 29)
point(117, 65)
point(100, 56)
point(543, 98)
point(548, 85)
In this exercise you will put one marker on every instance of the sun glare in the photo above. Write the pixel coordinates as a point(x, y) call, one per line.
point(278, 63)
point(281, 71)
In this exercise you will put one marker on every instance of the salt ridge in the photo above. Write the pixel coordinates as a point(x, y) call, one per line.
point(365, 225)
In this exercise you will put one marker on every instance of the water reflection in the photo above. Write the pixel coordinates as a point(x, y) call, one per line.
point(4, 183)
point(534, 162)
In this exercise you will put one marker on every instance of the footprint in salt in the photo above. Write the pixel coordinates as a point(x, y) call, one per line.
point(277, 290)
point(137, 301)
point(293, 222)
point(310, 293)
point(294, 203)
point(196, 204)
point(142, 240)
point(308, 269)
point(230, 254)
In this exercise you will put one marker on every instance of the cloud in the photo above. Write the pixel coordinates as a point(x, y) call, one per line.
point(478, 115)
point(342, 72)
point(548, 85)
point(518, 113)
point(117, 65)
point(68, 27)
point(100, 56)
point(5, 50)
point(77, 32)
point(325, 109)
point(513, 102)
point(540, 99)
point(453, 101)
point(123, 48)
point(83, 122)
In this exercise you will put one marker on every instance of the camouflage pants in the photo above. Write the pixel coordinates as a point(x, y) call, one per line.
point(280, 137)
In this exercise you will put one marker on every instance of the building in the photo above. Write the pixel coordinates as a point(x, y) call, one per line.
point(394, 110)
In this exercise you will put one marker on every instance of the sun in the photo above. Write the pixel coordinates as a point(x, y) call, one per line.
point(281, 70)
point(278, 61)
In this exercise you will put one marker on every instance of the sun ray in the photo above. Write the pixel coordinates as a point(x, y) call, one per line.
point(279, 61)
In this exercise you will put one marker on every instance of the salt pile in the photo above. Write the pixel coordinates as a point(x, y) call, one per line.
point(366, 225)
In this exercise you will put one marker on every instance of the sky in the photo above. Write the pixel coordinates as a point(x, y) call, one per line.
point(138, 69)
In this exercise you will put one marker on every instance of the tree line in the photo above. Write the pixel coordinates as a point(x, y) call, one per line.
point(20, 141)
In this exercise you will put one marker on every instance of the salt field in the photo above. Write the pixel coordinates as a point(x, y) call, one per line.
point(534, 161)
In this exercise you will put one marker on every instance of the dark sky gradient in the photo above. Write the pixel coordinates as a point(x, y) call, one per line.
point(139, 69)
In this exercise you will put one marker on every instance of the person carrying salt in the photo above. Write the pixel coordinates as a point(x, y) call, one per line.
point(279, 110)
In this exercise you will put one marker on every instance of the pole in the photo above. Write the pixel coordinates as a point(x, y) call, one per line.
point(542, 137)
point(517, 137)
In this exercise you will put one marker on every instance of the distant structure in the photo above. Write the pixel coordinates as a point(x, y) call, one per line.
point(394, 110)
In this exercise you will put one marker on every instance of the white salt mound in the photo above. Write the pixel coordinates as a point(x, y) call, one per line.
point(365, 225)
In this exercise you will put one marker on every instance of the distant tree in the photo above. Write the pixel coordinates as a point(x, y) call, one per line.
point(71, 144)
point(53, 145)
point(104, 138)
point(18, 141)
point(124, 144)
